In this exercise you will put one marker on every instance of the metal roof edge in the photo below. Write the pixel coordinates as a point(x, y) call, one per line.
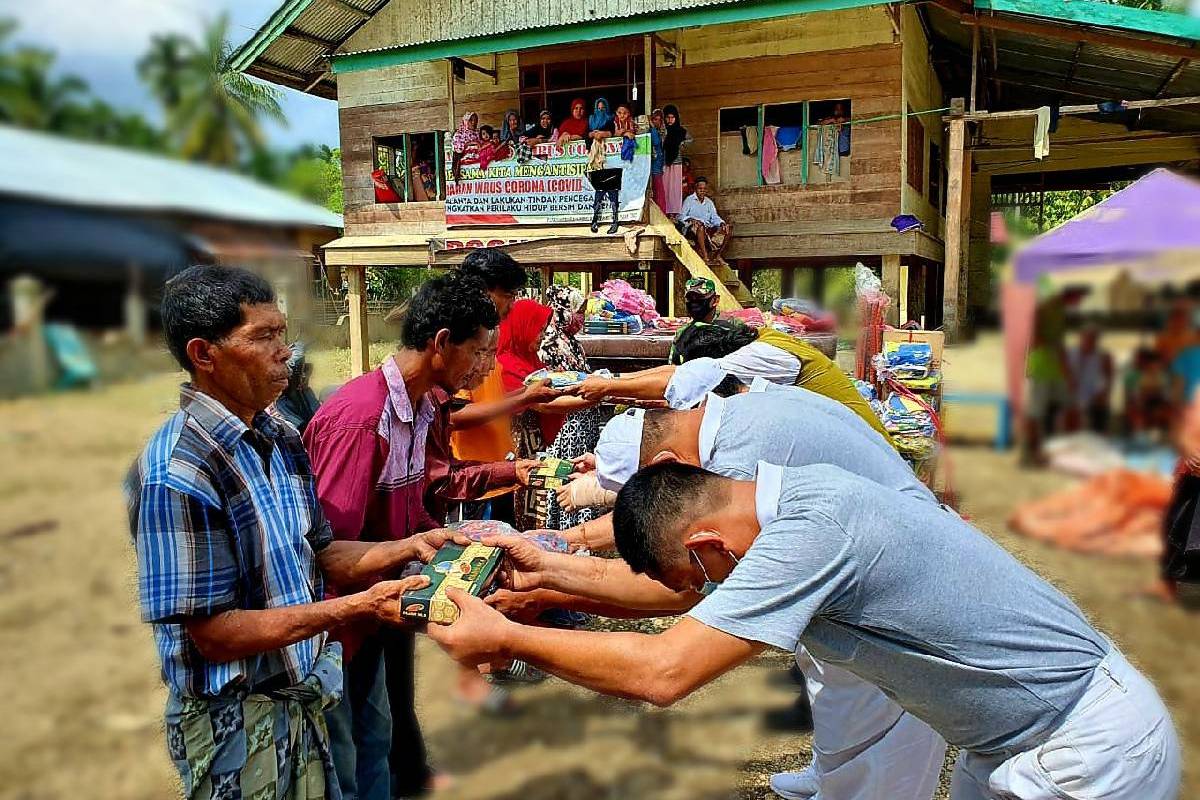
point(586, 31)
point(282, 17)
point(1105, 15)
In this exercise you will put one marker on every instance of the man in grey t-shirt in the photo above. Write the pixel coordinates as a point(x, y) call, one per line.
point(895, 590)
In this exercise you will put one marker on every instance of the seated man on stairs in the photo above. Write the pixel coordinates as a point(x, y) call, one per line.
point(701, 223)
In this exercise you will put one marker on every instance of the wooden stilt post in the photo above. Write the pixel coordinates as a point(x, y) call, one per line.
point(958, 215)
point(903, 294)
point(891, 286)
point(360, 359)
point(648, 72)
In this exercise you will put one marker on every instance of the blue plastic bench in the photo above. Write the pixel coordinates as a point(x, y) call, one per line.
point(1003, 411)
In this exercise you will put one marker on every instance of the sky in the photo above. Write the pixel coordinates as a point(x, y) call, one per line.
point(101, 40)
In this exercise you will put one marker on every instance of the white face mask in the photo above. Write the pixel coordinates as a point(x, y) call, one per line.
point(710, 585)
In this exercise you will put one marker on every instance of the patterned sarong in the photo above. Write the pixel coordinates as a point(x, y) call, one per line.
point(259, 746)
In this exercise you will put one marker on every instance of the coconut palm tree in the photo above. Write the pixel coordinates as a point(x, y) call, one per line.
point(217, 117)
point(164, 67)
point(30, 96)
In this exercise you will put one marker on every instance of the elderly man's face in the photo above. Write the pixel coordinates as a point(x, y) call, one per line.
point(702, 190)
point(250, 364)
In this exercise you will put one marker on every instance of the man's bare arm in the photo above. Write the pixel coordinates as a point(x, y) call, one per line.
point(659, 669)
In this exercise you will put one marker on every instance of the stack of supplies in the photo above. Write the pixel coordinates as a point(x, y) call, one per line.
point(910, 364)
point(797, 314)
point(544, 481)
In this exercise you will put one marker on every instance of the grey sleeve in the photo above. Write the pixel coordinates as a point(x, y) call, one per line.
point(795, 570)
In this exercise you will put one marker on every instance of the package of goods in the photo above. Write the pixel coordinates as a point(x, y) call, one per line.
point(544, 480)
point(476, 529)
point(471, 569)
point(607, 322)
point(559, 379)
point(904, 415)
point(799, 314)
point(750, 316)
point(866, 390)
point(626, 298)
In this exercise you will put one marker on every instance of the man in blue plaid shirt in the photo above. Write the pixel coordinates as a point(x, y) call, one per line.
point(233, 550)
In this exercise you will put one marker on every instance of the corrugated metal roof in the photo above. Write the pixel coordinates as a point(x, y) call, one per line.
point(58, 170)
point(452, 20)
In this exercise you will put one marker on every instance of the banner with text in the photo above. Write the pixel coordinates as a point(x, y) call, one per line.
point(552, 188)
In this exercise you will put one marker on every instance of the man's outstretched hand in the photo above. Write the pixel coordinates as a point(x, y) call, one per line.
point(477, 636)
point(384, 598)
point(523, 564)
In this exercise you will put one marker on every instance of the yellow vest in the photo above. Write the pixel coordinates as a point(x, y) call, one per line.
point(819, 374)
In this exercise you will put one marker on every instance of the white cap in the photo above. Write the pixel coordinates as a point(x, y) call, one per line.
point(692, 382)
point(619, 449)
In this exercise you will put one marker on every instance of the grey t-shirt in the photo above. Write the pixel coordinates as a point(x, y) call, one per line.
point(793, 427)
point(914, 600)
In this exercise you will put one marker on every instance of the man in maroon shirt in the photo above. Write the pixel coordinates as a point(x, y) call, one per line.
point(367, 447)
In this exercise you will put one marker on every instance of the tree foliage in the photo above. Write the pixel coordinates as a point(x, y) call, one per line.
point(212, 113)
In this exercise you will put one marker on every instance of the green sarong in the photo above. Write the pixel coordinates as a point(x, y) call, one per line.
point(259, 745)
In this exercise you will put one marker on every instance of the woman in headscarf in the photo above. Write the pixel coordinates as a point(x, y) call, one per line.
point(675, 137)
point(540, 131)
point(465, 142)
point(534, 336)
point(576, 125)
point(624, 123)
point(657, 161)
point(600, 123)
point(511, 129)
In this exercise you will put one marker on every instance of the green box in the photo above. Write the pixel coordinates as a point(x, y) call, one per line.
point(471, 568)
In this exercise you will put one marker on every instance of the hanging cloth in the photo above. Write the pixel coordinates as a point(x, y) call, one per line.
point(1041, 134)
point(596, 156)
point(770, 156)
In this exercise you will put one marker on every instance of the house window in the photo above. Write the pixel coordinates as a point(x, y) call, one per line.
point(830, 136)
point(812, 143)
point(916, 153)
point(554, 84)
point(937, 184)
point(737, 148)
point(408, 168)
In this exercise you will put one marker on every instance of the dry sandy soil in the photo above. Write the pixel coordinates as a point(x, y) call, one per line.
point(82, 707)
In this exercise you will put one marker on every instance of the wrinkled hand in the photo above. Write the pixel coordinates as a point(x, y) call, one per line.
point(540, 392)
point(583, 464)
point(477, 636)
point(425, 545)
point(515, 604)
point(384, 598)
point(524, 467)
point(523, 562)
point(593, 389)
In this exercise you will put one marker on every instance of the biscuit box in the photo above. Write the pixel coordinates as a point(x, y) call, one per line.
point(544, 479)
point(471, 568)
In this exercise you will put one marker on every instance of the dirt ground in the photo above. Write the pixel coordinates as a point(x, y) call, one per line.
point(84, 700)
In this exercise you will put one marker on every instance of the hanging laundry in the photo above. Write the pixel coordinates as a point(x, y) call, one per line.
point(825, 154)
point(1041, 134)
point(843, 139)
point(770, 156)
point(749, 140)
point(788, 137)
point(628, 148)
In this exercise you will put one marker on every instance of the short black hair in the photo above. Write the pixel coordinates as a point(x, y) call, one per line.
point(729, 386)
point(205, 302)
point(653, 506)
point(496, 268)
point(701, 179)
point(657, 426)
point(453, 301)
point(487, 128)
point(714, 340)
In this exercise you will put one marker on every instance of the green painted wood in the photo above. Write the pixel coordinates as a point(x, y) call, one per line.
point(586, 32)
point(1106, 15)
point(271, 30)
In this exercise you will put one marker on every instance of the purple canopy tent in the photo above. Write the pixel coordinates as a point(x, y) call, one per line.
point(1135, 230)
point(1156, 215)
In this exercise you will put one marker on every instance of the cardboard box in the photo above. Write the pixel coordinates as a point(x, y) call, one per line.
point(471, 569)
point(935, 339)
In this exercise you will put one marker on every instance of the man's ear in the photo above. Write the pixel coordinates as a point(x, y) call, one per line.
point(199, 352)
point(665, 455)
point(441, 340)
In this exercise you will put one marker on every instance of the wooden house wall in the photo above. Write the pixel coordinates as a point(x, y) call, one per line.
point(922, 91)
point(851, 54)
point(869, 76)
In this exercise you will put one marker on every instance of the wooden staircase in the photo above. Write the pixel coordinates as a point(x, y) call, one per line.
point(731, 292)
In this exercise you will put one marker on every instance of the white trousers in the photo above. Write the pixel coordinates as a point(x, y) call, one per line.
point(1117, 743)
point(865, 747)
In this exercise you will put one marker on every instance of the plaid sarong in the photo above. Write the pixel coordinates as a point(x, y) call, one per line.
point(259, 746)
